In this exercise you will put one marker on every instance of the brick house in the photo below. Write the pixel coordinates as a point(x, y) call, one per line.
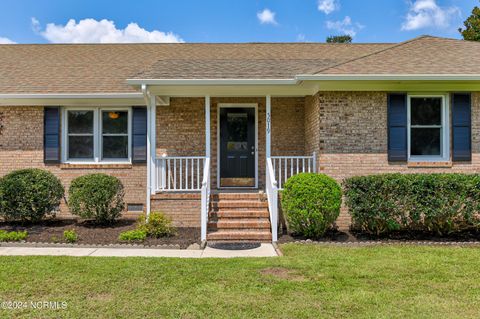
point(208, 133)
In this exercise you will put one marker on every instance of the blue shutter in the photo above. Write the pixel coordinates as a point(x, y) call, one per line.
point(461, 124)
point(51, 135)
point(139, 135)
point(397, 127)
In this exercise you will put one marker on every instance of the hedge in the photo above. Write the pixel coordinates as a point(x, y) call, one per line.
point(311, 203)
point(439, 203)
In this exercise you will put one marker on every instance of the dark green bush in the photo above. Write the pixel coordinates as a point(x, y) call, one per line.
point(96, 196)
point(311, 203)
point(158, 225)
point(29, 194)
point(440, 203)
point(13, 235)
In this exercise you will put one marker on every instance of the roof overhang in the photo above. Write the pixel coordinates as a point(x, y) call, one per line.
point(78, 99)
point(305, 84)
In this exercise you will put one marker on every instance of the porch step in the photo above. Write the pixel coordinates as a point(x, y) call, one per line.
point(227, 214)
point(240, 235)
point(238, 196)
point(240, 223)
point(241, 216)
point(239, 204)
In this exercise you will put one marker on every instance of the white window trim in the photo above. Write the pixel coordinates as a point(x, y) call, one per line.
point(445, 130)
point(97, 136)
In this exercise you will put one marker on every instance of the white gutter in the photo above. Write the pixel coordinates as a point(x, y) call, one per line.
point(74, 96)
point(146, 96)
point(388, 77)
point(212, 81)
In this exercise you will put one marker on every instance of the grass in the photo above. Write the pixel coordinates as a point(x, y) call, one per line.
point(308, 282)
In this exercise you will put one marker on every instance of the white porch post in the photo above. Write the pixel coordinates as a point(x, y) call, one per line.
point(207, 125)
point(149, 162)
point(206, 175)
point(153, 144)
point(268, 125)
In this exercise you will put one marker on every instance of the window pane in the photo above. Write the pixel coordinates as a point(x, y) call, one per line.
point(425, 141)
point(115, 122)
point(80, 147)
point(426, 111)
point(115, 147)
point(80, 122)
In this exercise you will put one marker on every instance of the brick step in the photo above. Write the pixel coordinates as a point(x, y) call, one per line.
point(239, 204)
point(227, 214)
point(240, 223)
point(237, 196)
point(240, 235)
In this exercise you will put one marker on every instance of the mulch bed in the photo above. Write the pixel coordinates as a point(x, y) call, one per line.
point(51, 231)
point(334, 235)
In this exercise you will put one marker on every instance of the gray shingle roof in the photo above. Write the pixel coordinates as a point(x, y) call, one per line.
point(104, 68)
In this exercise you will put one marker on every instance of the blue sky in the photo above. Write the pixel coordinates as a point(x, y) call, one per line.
point(37, 21)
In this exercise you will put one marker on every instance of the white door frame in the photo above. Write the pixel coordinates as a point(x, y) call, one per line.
point(237, 105)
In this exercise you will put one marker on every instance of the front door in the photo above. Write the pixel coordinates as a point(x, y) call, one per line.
point(237, 147)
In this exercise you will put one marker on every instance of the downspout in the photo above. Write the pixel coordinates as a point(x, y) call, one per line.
point(146, 96)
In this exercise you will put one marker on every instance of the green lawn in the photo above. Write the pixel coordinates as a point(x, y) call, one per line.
point(308, 282)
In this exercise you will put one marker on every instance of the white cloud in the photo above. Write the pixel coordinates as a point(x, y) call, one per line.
point(35, 25)
point(6, 41)
point(301, 38)
point(328, 6)
point(266, 17)
point(428, 14)
point(345, 26)
point(103, 31)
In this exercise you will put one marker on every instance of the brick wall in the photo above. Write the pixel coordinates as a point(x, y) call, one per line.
point(288, 127)
point(21, 146)
point(352, 137)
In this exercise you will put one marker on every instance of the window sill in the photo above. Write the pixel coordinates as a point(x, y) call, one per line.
point(95, 166)
point(432, 164)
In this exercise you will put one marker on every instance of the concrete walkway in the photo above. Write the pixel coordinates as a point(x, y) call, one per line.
point(265, 250)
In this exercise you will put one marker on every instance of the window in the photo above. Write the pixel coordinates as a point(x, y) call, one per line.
point(80, 135)
point(97, 135)
point(428, 128)
point(114, 135)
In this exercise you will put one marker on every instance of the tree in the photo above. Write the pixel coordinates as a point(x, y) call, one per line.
point(472, 26)
point(339, 39)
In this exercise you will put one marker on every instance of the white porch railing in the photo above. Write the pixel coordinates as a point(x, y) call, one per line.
point(205, 206)
point(180, 173)
point(272, 196)
point(285, 167)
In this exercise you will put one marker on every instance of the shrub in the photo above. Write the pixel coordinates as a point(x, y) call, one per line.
point(96, 196)
point(13, 235)
point(158, 225)
point(29, 195)
point(133, 235)
point(70, 236)
point(311, 203)
point(440, 203)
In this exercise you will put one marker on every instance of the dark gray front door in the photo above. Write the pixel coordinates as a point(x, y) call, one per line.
point(237, 147)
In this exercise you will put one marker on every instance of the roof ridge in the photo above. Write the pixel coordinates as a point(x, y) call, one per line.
point(195, 43)
point(373, 53)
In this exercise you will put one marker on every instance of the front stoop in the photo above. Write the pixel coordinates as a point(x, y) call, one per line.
point(239, 216)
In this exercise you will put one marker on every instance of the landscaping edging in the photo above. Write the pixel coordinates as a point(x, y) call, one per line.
point(386, 242)
point(65, 245)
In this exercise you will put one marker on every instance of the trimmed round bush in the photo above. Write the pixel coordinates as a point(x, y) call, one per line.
point(29, 195)
point(311, 203)
point(96, 196)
